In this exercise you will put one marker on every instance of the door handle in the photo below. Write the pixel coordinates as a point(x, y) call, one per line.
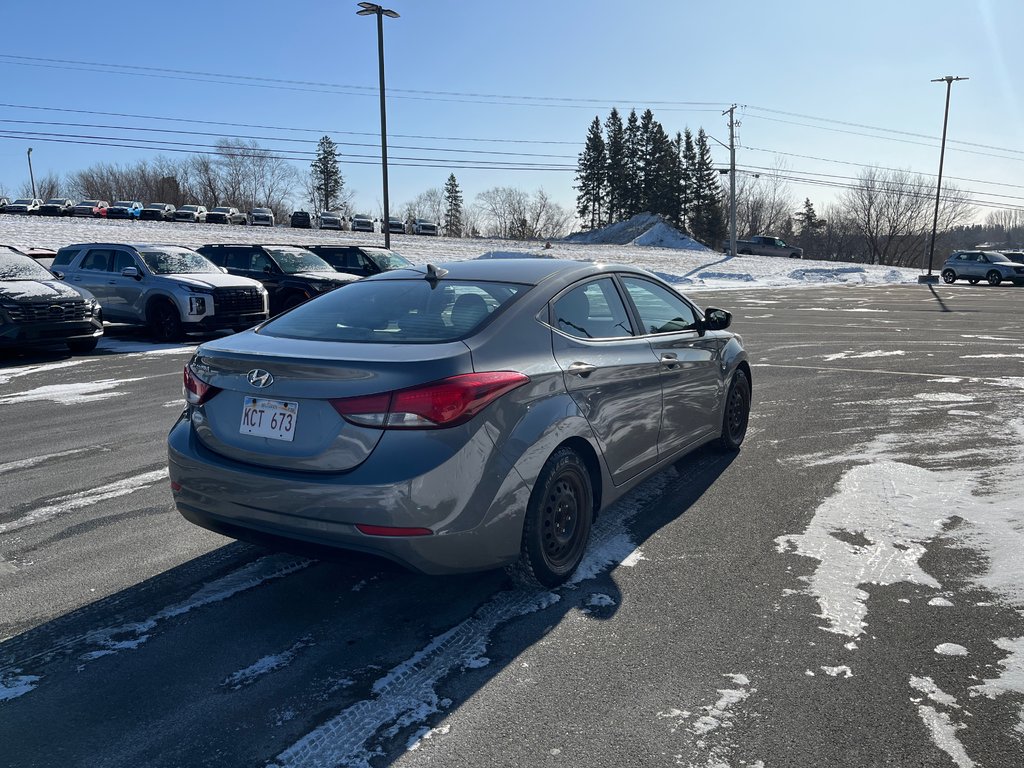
point(581, 369)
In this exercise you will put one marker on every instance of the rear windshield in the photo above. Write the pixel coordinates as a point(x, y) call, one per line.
point(177, 261)
point(396, 312)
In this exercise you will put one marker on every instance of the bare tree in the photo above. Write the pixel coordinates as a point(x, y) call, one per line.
point(764, 203)
point(426, 205)
point(510, 213)
point(893, 209)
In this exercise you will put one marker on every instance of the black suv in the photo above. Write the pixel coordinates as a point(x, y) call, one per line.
point(290, 274)
point(158, 212)
point(360, 260)
point(37, 308)
point(302, 220)
point(57, 206)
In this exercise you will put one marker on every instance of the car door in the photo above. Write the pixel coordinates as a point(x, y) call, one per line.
point(692, 368)
point(611, 374)
point(127, 292)
point(93, 274)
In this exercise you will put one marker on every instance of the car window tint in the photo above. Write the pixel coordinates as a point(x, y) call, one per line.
point(121, 260)
point(593, 310)
point(660, 310)
point(65, 256)
point(96, 259)
point(396, 312)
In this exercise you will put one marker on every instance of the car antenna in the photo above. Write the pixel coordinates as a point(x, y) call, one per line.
point(434, 274)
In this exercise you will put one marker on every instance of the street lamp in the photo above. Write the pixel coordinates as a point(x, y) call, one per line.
point(372, 9)
point(30, 174)
point(948, 80)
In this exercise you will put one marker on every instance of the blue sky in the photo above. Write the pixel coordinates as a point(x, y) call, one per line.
point(822, 87)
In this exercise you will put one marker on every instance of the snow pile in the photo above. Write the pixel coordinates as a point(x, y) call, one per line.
point(644, 229)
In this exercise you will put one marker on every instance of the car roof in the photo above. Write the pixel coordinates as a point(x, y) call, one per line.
point(530, 271)
point(136, 246)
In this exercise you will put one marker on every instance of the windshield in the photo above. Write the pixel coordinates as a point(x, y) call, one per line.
point(388, 260)
point(177, 261)
point(189, 208)
point(14, 266)
point(292, 260)
point(261, 210)
point(123, 204)
point(157, 206)
point(396, 311)
point(222, 210)
point(89, 203)
point(23, 202)
point(56, 201)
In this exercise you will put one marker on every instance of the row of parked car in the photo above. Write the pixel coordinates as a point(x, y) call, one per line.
point(223, 214)
point(171, 289)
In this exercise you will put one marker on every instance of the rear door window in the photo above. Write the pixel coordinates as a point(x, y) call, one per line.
point(97, 259)
point(593, 310)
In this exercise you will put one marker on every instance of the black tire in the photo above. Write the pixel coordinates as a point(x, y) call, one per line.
point(795, 255)
point(973, 280)
point(165, 322)
point(993, 277)
point(948, 276)
point(82, 346)
point(737, 413)
point(745, 252)
point(558, 520)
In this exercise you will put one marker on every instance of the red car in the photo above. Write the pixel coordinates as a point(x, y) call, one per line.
point(94, 208)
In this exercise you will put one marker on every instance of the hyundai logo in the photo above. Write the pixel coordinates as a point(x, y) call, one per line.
point(56, 309)
point(260, 378)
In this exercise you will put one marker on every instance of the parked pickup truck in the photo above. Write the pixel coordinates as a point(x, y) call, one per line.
point(767, 246)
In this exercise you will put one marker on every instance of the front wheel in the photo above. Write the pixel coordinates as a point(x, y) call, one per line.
point(737, 413)
point(558, 520)
point(948, 276)
point(993, 277)
point(165, 322)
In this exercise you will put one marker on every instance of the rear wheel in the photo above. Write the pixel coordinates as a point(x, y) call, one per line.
point(993, 277)
point(737, 413)
point(558, 520)
point(948, 276)
point(165, 322)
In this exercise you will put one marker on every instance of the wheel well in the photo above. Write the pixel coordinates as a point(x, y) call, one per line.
point(745, 367)
point(586, 452)
point(156, 300)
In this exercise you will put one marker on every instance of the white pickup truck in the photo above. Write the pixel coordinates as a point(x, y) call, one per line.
point(761, 245)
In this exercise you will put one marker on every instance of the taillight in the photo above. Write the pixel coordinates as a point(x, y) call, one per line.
point(388, 530)
point(444, 403)
point(196, 390)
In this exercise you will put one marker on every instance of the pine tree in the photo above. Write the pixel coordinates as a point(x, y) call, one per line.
point(632, 179)
point(708, 223)
point(591, 177)
point(647, 170)
point(617, 186)
point(325, 176)
point(811, 227)
point(688, 161)
point(453, 208)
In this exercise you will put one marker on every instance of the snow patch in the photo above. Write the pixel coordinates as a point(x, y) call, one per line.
point(950, 649)
point(71, 394)
point(844, 671)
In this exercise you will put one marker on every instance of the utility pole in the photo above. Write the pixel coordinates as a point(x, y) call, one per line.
point(732, 178)
point(30, 174)
point(948, 80)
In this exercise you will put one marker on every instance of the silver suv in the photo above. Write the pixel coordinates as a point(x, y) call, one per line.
point(171, 289)
point(975, 266)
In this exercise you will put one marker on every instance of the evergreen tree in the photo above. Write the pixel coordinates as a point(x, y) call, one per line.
point(616, 182)
point(811, 228)
point(325, 176)
point(688, 161)
point(453, 208)
point(648, 171)
point(663, 199)
point(676, 175)
point(591, 177)
point(632, 202)
point(708, 223)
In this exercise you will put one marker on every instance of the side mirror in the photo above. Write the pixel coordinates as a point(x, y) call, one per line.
point(131, 272)
point(58, 274)
point(716, 319)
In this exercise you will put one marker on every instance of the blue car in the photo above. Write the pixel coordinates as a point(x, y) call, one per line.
point(125, 209)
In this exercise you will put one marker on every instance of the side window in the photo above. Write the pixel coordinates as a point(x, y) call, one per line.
point(660, 310)
point(593, 310)
point(121, 260)
point(259, 261)
point(234, 258)
point(96, 259)
point(65, 256)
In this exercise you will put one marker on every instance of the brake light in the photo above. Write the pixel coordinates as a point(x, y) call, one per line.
point(196, 390)
point(445, 403)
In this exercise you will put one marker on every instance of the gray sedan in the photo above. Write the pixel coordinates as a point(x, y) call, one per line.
point(456, 418)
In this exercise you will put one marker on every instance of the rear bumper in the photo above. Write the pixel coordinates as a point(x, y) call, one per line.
point(474, 508)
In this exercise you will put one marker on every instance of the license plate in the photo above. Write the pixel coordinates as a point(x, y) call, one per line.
point(274, 419)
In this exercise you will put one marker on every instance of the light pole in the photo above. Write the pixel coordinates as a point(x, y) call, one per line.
point(372, 9)
point(948, 80)
point(30, 174)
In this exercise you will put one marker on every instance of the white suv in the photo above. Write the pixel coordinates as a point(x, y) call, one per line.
point(171, 289)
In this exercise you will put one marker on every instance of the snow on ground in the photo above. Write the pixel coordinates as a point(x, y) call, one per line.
point(648, 243)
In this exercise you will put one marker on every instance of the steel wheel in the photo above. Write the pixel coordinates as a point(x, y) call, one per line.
point(948, 276)
point(737, 412)
point(993, 277)
point(558, 520)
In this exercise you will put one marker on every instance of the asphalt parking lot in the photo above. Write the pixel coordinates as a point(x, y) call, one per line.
point(842, 592)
